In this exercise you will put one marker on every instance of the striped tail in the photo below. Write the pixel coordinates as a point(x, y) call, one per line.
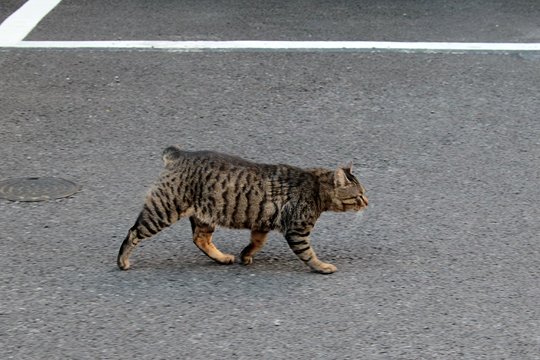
point(170, 154)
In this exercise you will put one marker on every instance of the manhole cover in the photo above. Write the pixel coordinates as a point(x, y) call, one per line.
point(36, 189)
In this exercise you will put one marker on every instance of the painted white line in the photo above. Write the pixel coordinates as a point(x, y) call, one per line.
point(416, 47)
point(19, 24)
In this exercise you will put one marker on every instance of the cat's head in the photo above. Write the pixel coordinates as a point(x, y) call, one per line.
point(347, 194)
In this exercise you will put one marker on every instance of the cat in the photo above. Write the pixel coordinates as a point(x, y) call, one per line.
point(214, 189)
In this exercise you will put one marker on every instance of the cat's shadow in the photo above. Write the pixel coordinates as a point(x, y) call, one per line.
point(176, 264)
point(264, 263)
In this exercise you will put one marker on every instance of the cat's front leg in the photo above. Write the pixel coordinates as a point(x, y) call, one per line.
point(300, 244)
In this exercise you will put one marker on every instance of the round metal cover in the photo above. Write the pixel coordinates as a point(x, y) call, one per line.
point(36, 188)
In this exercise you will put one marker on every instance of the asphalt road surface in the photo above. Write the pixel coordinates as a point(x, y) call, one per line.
point(444, 264)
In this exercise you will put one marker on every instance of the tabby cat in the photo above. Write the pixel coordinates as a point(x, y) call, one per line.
point(217, 189)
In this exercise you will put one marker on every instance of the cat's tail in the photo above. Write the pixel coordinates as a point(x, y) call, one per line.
point(170, 154)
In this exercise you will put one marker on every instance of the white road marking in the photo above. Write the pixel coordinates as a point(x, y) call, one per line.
point(413, 47)
point(19, 24)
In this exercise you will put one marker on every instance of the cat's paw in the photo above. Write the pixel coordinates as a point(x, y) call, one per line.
point(226, 259)
point(324, 268)
point(123, 264)
point(247, 260)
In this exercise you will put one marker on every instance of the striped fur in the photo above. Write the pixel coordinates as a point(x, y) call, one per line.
point(214, 189)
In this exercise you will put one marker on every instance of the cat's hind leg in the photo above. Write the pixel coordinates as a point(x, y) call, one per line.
point(202, 237)
point(158, 213)
point(129, 244)
point(258, 239)
point(145, 227)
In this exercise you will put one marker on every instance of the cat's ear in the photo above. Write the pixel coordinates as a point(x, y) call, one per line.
point(348, 168)
point(340, 177)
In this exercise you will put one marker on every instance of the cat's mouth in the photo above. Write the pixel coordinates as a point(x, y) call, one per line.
point(364, 200)
point(356, 204)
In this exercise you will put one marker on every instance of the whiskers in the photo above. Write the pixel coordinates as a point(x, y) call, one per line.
point(358, 217)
